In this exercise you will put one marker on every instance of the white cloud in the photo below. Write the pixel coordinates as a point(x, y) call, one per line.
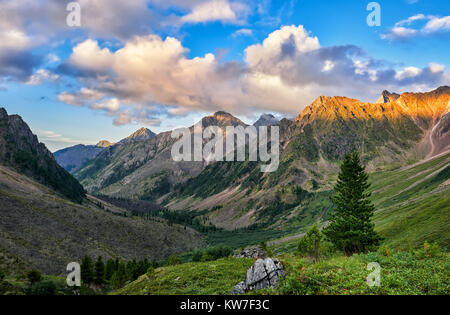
point(436, 24)
point(55, 141)
point(110, 105)
point(88, 55)
point(243, 32)
point(215, 10)
point(42, 75)
point(151, 76)
point(408, 72)
point(404, 29)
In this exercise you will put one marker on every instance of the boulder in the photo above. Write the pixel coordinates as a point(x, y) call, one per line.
point(254, 252)
point(264, 274)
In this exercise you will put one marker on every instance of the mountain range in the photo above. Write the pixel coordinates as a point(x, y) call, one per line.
point(48, 218)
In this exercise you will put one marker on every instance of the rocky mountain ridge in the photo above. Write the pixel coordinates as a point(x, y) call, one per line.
point(21, 150)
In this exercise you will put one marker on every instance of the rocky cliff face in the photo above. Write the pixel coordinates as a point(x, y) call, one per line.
point(21, 150)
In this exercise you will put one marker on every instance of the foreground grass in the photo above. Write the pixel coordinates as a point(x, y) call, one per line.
point(202, 278)
point(419, 272)
point(405, 273)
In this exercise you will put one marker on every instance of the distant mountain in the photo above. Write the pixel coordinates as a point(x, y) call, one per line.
point(140, 135)
point(146, 166)
point(266, 120)
point(221, 119)
point(21, 150)
point(73, 158)
point(104, 144)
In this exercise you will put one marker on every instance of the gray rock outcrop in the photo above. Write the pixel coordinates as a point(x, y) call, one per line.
point(263, 274)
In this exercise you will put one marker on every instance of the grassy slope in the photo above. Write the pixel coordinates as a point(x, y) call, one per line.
point(401, 273)
point(404, 273)
point(41, 230)
point(216, 277)
point(411, 208)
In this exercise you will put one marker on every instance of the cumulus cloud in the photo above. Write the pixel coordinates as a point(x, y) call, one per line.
point(40, 76)
point(215, 10)
point(243, 32)
point(405, 29)
point(150, 76)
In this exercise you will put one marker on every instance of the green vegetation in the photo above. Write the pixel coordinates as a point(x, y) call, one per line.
point(414, 272)
point(212, 253)
point(212, 277)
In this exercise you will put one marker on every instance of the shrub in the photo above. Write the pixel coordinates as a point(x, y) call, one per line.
point(310, 243)
point(174, 260)
point(384, 250)
point(212, 253)
point(46, 287)
point(34, 276)
point(150, 272)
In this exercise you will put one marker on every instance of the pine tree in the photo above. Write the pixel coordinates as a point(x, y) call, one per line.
point(87, 272)
point(351, 228)
point(99, 271)
point(110, 269)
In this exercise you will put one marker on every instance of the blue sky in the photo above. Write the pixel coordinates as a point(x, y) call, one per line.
point(164, 64)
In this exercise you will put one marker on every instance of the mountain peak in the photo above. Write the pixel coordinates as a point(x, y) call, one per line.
point(140, 135)
point(387, 97)
point(266, 120)
point(104, 144)
point(221, 119)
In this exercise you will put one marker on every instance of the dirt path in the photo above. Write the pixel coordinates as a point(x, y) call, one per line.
point(421, 181)
point(432, 141)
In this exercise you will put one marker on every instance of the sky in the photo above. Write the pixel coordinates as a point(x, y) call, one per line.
point(163, 64)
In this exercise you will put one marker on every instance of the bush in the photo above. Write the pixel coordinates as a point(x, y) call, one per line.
point(309, 245)
point(429, 251)
point(34, 276)
point(212, 253)
point(150, 272)
point(2, 275)
point(384, 250)
point(46, 287)
point(174, 260)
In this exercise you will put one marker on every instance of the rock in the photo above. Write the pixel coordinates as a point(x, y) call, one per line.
point(254, 252)
point(263, 274)
point(239, 288)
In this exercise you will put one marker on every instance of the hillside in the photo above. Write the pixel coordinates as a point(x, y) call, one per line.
point(41, 230)
point(46, 220)
point(21, 150)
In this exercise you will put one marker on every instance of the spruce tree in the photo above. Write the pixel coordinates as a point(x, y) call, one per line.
point(87, 272)
point(110, 269)
point(99, 271)
point(351, 228)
